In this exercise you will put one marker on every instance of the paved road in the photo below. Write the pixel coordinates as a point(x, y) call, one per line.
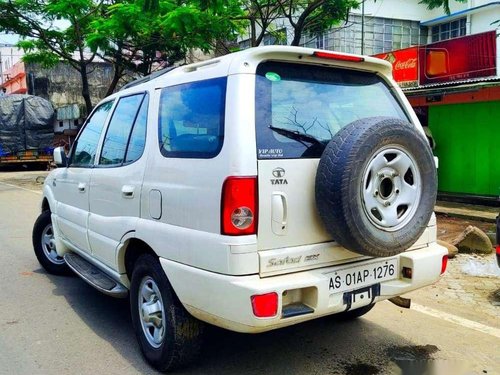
point(60, 325)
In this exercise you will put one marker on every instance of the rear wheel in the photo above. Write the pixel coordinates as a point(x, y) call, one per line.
point(168, 336)
point(44, 245)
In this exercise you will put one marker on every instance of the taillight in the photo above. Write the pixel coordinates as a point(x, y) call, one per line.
point(337, 56)
point(239, 206)
point(265, 305)
point(444, 264)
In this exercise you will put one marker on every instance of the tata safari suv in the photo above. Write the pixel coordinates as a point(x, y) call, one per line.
point(252, 191)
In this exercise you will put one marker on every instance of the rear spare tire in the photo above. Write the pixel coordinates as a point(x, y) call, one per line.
point(376, 186)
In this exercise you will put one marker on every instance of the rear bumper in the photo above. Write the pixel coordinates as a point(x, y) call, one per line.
point(224, 300)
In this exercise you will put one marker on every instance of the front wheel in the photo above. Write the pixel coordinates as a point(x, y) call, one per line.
point(44, 246)
point(168, 336)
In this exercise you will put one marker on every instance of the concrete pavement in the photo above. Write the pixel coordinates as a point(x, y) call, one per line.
point(60, 325)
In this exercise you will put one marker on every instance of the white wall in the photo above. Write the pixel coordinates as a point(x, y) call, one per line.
point(399, 9)
point(482, 21)
point(8, 56)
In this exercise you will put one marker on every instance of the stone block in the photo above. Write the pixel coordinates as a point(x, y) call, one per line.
point(473, 240)
point(452, 249)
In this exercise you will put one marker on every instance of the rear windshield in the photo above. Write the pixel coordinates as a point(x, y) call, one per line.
point(299, 108)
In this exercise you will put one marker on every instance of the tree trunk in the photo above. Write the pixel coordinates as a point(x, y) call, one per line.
point(85, 88)
point(297, 34)
point(253, 37)
point(116, 77)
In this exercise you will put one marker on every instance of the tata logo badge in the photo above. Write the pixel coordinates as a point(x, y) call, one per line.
point(279, 174)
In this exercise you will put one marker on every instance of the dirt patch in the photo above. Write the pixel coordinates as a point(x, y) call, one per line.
point(412, 352)
point(448, 228)
point(32, 180)
point(361, 369)
point(494, 298)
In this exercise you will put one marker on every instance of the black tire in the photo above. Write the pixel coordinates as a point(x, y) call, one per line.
point(353, 314)
point(182, 337)
point(44, 252)
point(344, 184)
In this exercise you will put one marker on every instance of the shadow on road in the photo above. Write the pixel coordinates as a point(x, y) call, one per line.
point(322, 346)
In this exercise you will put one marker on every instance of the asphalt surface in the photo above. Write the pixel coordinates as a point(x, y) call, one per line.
point(60, 325)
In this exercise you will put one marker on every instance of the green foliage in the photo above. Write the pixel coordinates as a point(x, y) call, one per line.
point(142, 32)
point(445, 4)
point(131, 34)
point(36, 53)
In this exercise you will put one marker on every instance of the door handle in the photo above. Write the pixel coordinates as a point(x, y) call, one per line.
point(279, 213)
point(128, 191)
point(81, 187)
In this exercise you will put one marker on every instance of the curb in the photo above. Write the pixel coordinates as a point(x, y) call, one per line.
point(466, 214)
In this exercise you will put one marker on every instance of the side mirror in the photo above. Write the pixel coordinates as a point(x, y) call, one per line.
point(60, 158)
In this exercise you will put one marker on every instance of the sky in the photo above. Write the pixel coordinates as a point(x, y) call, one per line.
point(8, 38)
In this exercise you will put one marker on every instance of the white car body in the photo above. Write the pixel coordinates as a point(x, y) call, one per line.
point(173, 206)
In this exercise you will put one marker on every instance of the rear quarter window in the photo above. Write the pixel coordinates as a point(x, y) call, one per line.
point(299, 108)
point(191, 123)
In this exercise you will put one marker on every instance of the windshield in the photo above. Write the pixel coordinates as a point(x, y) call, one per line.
point(296, 99)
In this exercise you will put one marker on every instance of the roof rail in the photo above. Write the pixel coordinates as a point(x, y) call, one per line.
point(148, 78)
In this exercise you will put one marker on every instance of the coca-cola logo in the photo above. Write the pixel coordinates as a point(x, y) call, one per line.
point(407, 64)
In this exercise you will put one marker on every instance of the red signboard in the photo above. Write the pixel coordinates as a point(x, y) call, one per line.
point(404, 65)
point(457, 59)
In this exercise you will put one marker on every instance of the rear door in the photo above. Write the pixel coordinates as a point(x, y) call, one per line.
point(116, 182)
point(299, 108)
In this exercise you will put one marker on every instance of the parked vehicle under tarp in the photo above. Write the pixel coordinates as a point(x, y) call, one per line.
point(26, 127)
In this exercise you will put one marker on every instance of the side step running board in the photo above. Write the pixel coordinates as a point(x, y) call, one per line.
point(94, 276)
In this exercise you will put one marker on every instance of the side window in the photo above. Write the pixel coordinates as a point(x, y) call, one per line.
point(138, 137)
point(86, 144)
point(119, 130)
point(191, 123)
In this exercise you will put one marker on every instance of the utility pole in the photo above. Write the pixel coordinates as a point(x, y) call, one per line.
point(363, 27)
point(1, 68)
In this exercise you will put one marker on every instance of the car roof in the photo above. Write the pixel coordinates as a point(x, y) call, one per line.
point(246, 62)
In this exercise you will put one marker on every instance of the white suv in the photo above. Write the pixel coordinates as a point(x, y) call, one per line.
point(252, 191)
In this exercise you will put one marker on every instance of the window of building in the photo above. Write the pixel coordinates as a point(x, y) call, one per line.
point(85, 146)
point(449, 30)
point(379, 35)
point(191, 123)
point(119, 130)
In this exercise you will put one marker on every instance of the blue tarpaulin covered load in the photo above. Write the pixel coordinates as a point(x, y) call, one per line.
point(26, 123)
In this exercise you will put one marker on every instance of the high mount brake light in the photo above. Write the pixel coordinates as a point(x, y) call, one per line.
point(337, 56)
point(239, 206)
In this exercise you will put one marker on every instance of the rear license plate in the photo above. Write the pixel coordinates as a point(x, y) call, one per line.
point(356, 277)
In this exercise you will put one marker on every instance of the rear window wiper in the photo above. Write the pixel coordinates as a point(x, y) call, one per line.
point(296, 135)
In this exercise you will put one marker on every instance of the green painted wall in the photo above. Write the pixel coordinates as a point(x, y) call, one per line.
point(468, 146)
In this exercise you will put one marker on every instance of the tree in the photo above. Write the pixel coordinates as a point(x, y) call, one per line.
point(313, 16)
point(45, 41)
point(130, 34)
point(445, 4)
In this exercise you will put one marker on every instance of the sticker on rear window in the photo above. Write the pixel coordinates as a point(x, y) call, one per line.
point(273, 77)
point(266, 153)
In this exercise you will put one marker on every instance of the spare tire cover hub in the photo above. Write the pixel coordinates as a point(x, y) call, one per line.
point(391, 188)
